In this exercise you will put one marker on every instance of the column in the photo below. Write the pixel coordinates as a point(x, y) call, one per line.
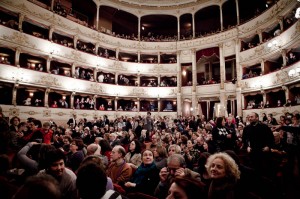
point(72, 99)
point(139, 28)
point(221, 17)
point(73, 68)
point(158, 80)
point(51, 30)
point(286, 92)
point(262, 63)
point(223, 103)
point(283, 54)
point(208, 108)
point(17, 56)
point(179, 101)
point(138, 104)
point(259, 32)
point(75, 41)
point(116, 103)
point(239, 70)
point(194, 80)
point(237, 12)
point(178, 28)
point(139, 79)
point(158, 57)
point(194, 31)
point(14, 94)
point(117, 53)
point(21, 19)
point(280, 21)
point(97, 16)
point(97, 47)
point(52, 5)
point(46, 98)
point(158, 105)
point(116, 78)
point(48, 63)
point(239, 101)
point(222, 66)
point(243, 102)
point(139, 56)
point(95, 70)
point(264, 96)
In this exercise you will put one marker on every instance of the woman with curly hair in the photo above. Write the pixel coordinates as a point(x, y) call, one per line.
point(224, 174)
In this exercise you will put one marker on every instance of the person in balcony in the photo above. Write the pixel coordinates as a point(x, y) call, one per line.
point(27, 102)
point(54, 105)
point(288, 103)
point(169, 106)
point(101, 78)
point(101, 107)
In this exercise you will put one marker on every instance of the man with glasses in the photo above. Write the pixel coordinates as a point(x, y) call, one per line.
point(175, 167)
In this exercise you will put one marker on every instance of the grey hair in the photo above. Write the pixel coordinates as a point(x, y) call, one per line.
point(177, 157)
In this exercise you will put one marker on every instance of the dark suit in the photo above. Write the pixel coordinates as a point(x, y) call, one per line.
point(72, 120)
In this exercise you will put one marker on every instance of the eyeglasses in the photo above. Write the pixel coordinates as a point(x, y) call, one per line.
point(171, 169)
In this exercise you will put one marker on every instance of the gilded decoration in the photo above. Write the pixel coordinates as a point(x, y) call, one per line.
point(139, 92)
point(281, 77)
point(14, 112)
point(95, 88)
point(47, 113)
point(20, 39)
point(159, 69)
point(31, 112)
point(76, 56)
point(48, 80)
point(117, 66)
point(60, 113)
point(174, 91)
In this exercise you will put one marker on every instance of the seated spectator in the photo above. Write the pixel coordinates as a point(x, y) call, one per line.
point(160, 156)
point(146, 177)
point(175, 167)
point(75, 156)
point(133, 157)
point(118, 170)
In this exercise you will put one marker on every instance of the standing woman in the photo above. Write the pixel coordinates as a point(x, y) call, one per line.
point(223, 139)
point(134, 157)
point(224, 174)
point(146, 177)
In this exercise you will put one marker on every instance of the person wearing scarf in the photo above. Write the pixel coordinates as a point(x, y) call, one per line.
point(146, 177)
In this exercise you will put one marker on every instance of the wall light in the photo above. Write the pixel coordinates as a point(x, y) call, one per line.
point(31, 94)
point(184, 73)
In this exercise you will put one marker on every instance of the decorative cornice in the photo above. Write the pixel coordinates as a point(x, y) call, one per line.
point(48, 80)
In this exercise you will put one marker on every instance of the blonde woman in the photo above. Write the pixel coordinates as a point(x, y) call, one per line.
point(224, 174)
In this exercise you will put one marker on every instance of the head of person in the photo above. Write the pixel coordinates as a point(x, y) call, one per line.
point(135, 146)
point(91, 181)
point(160, 151)
point(147, 157)
point(55, 163)
point(174, 162)
point(117, 153)
point(93, 149)
point(220, 122)
point(105, 146)
point(186, 188)
point(43, 186)
point(174, 148)
point(253, 118)
point(14, 121)
point(46, 126)
point(112, 137)
point(222, 166)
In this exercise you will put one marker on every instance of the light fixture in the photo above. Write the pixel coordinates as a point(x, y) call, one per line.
point(63, 97)
point(184, 72)
point(31, 94)
point(292, 72)
point(297, 14)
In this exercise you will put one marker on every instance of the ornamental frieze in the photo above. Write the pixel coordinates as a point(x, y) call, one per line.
point(139, 92)
point(20, 39)
point(48, 80)
point(76, 56)
point(95, 88)
point(281, 77)
point(159, 69)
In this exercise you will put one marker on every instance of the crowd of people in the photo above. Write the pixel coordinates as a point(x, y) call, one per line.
point(148, 157)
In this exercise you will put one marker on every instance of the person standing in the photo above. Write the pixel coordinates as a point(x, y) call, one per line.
point(258, 140)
